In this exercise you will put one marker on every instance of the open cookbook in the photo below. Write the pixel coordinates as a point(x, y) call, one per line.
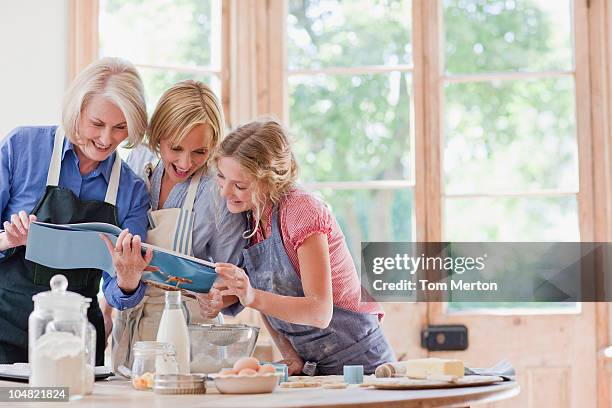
point(74, 246)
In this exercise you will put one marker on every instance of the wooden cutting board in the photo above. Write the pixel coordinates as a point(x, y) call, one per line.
point(418, 384)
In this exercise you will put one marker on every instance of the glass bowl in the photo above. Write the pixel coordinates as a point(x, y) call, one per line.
point(217, 346)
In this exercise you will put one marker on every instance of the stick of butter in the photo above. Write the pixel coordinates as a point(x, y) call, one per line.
point(422, 368)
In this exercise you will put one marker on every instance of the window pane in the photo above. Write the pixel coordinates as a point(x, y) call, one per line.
point(324, 33)
point(352, 127)
point(185, 32)
point(511, 219)
point(510, 35)
point(371, 215)
point(156, 81)
point(511, 135)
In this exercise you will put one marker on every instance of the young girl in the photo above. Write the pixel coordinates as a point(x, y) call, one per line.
point(299, 272)
point(186, 126)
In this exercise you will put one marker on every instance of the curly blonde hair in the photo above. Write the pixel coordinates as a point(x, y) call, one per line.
point(182, 107)
point(263, 149)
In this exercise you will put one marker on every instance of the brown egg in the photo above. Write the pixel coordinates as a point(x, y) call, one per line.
point(227, 372)
point(246, 362)
point(248, 372)
point(265, 369)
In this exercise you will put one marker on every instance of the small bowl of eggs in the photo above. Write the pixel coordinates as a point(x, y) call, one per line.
point(247, 376)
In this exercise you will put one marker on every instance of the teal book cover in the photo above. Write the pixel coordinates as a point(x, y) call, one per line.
point(73, 246)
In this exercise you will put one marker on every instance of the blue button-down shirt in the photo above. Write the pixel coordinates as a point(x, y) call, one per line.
point(25, 155)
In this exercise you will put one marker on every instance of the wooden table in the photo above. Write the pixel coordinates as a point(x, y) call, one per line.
point(119, 393)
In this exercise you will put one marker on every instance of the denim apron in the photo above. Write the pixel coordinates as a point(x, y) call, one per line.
point(169, 228)
point(352, 338)
point(21, 279)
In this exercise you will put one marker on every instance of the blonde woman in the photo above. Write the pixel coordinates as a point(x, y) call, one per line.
point(299, 272)
point(185, 128)
point(71, 174)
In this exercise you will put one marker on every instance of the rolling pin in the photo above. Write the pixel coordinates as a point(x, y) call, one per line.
point(390, 370)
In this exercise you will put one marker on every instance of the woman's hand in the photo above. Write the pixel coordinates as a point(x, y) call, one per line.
point(210, 303)
point(237, 283)
point(290, 356)
point(16, 231)
point(128, 259)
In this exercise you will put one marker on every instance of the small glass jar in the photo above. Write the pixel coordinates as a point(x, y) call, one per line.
point(151, 358)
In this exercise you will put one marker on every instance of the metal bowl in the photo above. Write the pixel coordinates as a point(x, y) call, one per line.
point(217, 346)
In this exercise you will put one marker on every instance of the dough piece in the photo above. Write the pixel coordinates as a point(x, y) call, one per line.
point(312, 384)
point(292, 384)
point(335, 386)
point(301, 384)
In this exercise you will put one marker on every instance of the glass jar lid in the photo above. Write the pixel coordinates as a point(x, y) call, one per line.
point(59, 298)
point(180, 384)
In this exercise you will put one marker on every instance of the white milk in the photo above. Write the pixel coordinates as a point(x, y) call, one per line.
point(173, 329)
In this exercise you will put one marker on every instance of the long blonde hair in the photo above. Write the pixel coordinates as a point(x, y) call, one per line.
point(182, 107)
point(263, 149)
point(118, 81)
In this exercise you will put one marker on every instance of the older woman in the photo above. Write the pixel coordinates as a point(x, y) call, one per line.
point(71, 174)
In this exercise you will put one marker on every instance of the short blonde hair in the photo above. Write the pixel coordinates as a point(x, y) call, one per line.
point(182, 107)
point(263, 149)
point(119, 82)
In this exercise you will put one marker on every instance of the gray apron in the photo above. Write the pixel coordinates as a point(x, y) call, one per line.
point(352, 338)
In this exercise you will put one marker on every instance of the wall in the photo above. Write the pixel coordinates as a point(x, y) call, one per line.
point(33, 62)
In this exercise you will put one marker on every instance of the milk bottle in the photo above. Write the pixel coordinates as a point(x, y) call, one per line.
point(173, 329)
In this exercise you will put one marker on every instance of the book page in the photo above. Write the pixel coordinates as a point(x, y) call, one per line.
point(86, 226)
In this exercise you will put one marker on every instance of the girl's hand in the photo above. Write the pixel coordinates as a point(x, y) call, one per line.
point(128, 259)
point(210, 303)
point(237, 283)
point(294, 364)
point(16, 231)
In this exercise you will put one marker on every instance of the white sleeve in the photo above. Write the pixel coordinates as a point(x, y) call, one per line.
point(139, 157)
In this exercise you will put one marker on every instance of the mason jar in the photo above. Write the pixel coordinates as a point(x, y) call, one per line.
point(152, 358)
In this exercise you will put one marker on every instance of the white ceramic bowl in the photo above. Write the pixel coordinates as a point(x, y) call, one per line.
point(241, 384)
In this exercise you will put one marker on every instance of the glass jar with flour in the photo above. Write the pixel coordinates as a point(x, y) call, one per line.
point(60, 340)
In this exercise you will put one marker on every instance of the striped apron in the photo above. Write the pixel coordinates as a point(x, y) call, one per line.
point(169, 228)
